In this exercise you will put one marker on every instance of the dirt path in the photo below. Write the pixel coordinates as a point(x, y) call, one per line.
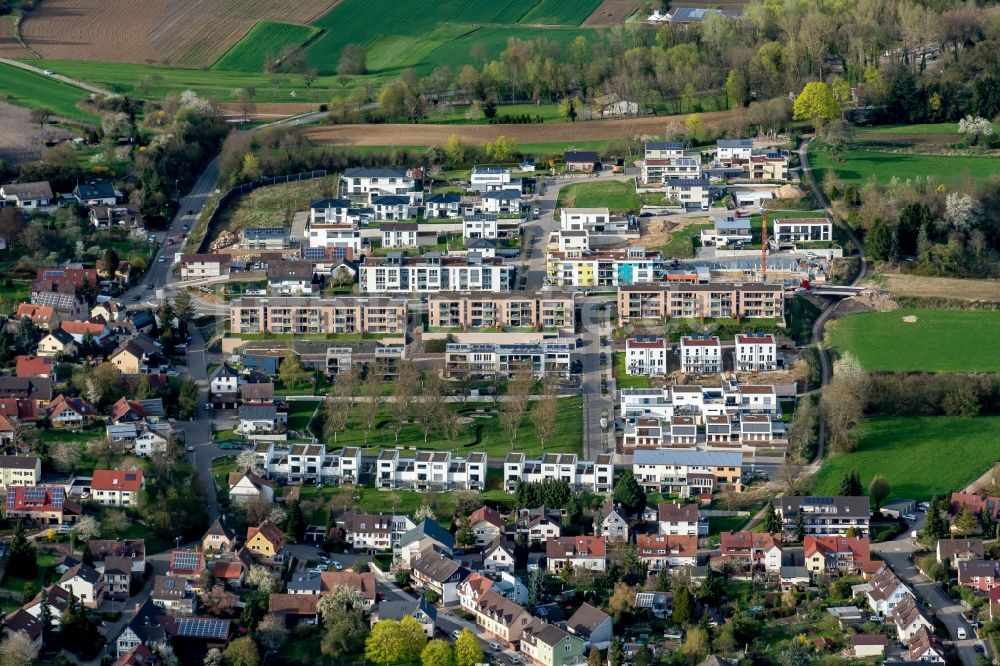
point(429, 135)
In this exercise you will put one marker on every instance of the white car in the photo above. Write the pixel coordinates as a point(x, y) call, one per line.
point(319, 568)
point(961, 634)
point(337, 565)
point(48, 72)
point(455, 633)
point(161, 260)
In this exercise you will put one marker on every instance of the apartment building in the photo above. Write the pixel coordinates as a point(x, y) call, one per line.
point(727, 150)
point(701, 355)
point(610, 268)
point(646, 355)
point(583, 219)
point(501, 202)
point(725, 399)
point(687, 473)
point(663, 161)
point(367, 531)
point(472, 310)
point(692, 193)
point(201, 266)
point(694, 301)
point(756, 353)
point(662, 551)
point(318, 316)
point(399, 234)
point(825, 515)
point(595, 476)
point(491, 178)
point(430, 470)
point(344, 236)
point(309, 463)
point(486, 359)
point(20, 471)
point(368, 183)
point(803, 229)
point(726, 231)
point(738, 157)
point(501, 619)
point(433, 272)
point(480, 226)
point(750, 551)
point(391, 207)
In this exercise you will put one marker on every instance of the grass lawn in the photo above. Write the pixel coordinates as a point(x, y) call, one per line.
point(482, 433)
point(919, 457)
point(719, 524)
point(685, 241)
point(858, 166)
point(221, 467)
point(267, 37)
point(17, 291)
point(456, 115)
point(275, 205)
point(936, 340)
point(36, 90)
point(300, 412)
point(618, 196)
point(800, 315)
point(625, 380)
point(46, 575)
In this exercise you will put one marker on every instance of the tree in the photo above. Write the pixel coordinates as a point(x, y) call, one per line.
point(260, 577)
point(696, 644)
point(797, 654)
point(18, 650)
point(353, 60)
point(271, 631)
point(628, 493)
point(337, 411)
point(501, 149)
point(383, 645)
point(45, 615)
point(961, 211)
point(467, 650)
point(545, 413)
point(621, 601)
point(110, 262)
point(643, 656)
point(772, 521)
point(241, 652)
point(404, 389)
point(800, 527)
point(86, 528)
point(291, 372)
point(184, 306)
point(513, 409)
point(217, 600)
point(187, 399)
point(213, 658)
point(850, 484)
point(454, 151)
point(965, 522)
point(65, 455)
point(838, 136)
point(975, 128)
point(816, 104)
point(695, 126)
point(22, 560)
point(843, 402)
point(248, 461)
point(616, 652)
point(594, 658)
point(437, 653)
point(878, 240)
point(341, 599)
point(878, 491)
point(25, 335)
point(41, 115)
point(343, 633)
point(683, 608)
point(116, 522)
point(536, 587)
point(296, 522)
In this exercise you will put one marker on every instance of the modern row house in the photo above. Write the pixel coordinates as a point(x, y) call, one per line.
point(434, 272)
point(702, 402)
point(607, 268)
point(596, 476)
point(430, 470)
point(488, 359)
point(318, 316)
point(687, 473)
point(301, 463)
point(695, 301)
point(825, 515)
point(471, 310)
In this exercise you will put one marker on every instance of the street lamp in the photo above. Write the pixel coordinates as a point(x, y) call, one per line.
point(177, 542)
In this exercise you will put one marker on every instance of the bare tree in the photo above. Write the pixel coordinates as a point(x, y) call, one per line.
point(545, 412)
point(65, 455)
point(219, 601)
point(789, 475)
point(336, 412)
point(41, 115)
point(18, 649)
point(514, 407)
point(432, 402)
point(404, 389)
point(843, 402)
point(371, 397)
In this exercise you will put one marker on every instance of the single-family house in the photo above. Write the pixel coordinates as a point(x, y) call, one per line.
point(223, 387)
point(257, 419)
point(247, 486)
point(580, 552)
point(116, 487)
point(96, 192)
point(19, 470)
point(980, 575)
point(173, 594)
point(472, 589)
point(28, 196)
point(660, 551)
point(420, 610)
point(265, 540)
point(924, 646)
point(837, 555)
point(580, 160)
point(886, 592)
point(592, 625)
point(145, 628)
point(952, 551)
point(750, 551)
point(57, 343)
point(613, 522)
point(399, 234)
point(539, 525)
point(362, 583)
point(908, 619)
point(433, 571)
point(499, 555)
point(868, 645)
point(35, 366)
point(427, 534)
point(73, 412)
point(486, 524)
point(84, 583)
point(43, 316)
point(675, 518)
point(186, 563)
point(548, 645)
point(501, 618)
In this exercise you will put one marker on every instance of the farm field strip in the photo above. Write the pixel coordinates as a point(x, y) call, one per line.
point(32, 90)
point(266, 37)
point(858, 166)
point(920, 339)
point(560, 12)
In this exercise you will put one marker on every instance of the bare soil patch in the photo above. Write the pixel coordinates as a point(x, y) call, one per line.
point(910, 319)
point(429, 135)
point(939, 287)
point(657, 232)
point(611, 12)
point(21, 140)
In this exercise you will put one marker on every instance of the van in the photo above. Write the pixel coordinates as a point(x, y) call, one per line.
point(961, 634)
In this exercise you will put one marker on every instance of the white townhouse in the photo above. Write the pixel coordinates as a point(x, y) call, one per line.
point(583, 219)
point(399, 234)
point(490, 178)
point(701, 355)
point(727, 150)
point(803, 229)
point(501, 202)
point(429, 470)
point(595, 476)
point(369, 182)
point(442, 205)
point(309, 463)
point(391, 207)
point(756, 353)
point(647, 356)
point(726, 399)
point(687, 473)
point(341, 235)
point(480, 225)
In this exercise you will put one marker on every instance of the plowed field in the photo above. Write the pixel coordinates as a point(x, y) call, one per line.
point(9, 46)
point(610, 12)
point(429, 135)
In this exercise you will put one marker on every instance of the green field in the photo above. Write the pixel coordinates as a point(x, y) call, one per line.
point(265, 38)
point(858, 166)
point(937, 341)
point(561, 12)
point(919, 457)
point(456, 115)
point(35, 90)
point(684, 241)
point(617, 195)
point(625, 380)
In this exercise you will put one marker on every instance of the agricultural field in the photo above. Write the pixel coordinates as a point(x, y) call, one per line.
point(919, 457)
point(617, 195)
point(560, 12)
point(265, 39)
point(21, 140)
point(611, 12)
point(859, 165)
point(915, 340)
point(9, 46)
point(29, 89)
point(921, 286)
point(158, 31)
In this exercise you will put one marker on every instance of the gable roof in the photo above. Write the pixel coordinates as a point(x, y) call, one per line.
point(269, 531)
point(429, 529)
point(586, 619)
point(121, 480)
point(361, 582)
point(486, 514)
point(219, 528)
point(32, 366)
point(436, 567)
point(676, 512)
point(580, 546)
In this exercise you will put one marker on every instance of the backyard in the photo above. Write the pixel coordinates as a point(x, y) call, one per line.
point(625, 380)
point(915, 340)
point(919, 457)
point(618, 196)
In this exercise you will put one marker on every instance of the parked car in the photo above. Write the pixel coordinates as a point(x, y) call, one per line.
point(161, 260)
point(962, 635)
point(337, 565)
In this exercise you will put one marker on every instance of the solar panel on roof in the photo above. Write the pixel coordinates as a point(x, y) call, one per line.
point(11, 498)
point(314, 253)
point(34, 494)
point(185, 560)
point(203, 628)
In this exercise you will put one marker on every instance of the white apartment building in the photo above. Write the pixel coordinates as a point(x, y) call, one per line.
point(344, 235)
point(596, 476)
point(583, 219)
point(756, 353)
point(202, 266)
point(699, 401)
point(432, 272)
point(501, 202)
point(657, 170)
point(825, 515)
point(335, 211)
point(368, 183)
point(490, 178)
point(480, 225)
point(727, 150)
point(692, 193)
point(803, 229)
point(574, 242)
point(429, 470)
point(545, 359)
point(687, 473)
point(399, 234)
point(391, 207)
point(442, 206)
point(701, 355)
point(309, 463)
point(648, 356)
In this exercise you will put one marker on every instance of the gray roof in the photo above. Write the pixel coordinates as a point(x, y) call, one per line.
point(323, 204)
point(707, 458)
point(431, 529)
point(374, 172)
point(258, 412)
point(664, 145)
point(443, 198)
point(399, 226)
point(490, 169)
point(95, 189)
point(435, 566)
point(18, 462)
point(305, 582)
point(734, 143)
point(390, 200)
point(502, 195)
point(840, 506)
point(688, 182)
point(38, 190)
point(580, 156)
point(398, 609)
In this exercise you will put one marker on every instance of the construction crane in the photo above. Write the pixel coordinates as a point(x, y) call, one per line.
point(763, 249)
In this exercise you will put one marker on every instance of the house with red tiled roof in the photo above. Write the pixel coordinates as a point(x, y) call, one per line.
point(116, 487)
point(980, 575)
point(79, 330)
point(838, 555)
point(294, 609)
point(140, 655)
point(265, 540)
point(976, 504)
point(924, 646)
point(42, 316)
point(471, 590)
point(21, 411)
point(363, 583)
point(35, 366)
point(486, 525)
point(63, 412)
point(750, 550)
point(7, 431)
point(580, 552)
point(660, 551)
point(44, 505)
point(187, 563)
